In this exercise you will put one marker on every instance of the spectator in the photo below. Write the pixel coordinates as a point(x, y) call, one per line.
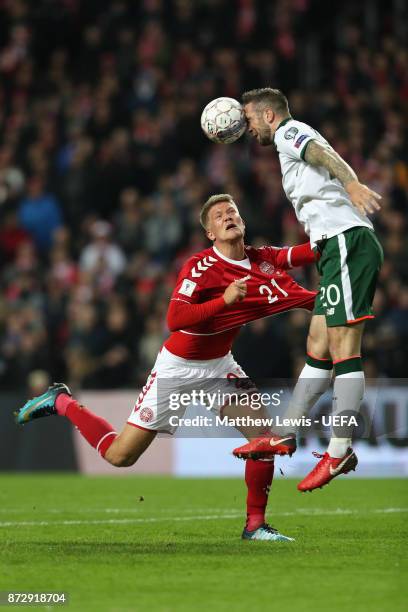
point(128, 221)
point(40, 213)
point(12, 236)
point(11, 178)
point(101, 259)
point(107, 117)
point(117, 359)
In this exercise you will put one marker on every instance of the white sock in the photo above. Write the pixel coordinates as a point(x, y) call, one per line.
point(311, 385)
point(338, 446)
point(347, 397)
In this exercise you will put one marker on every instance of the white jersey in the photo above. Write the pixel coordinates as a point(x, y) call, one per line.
point(320, 201)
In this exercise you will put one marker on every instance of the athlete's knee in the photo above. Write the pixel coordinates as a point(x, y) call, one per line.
point(317, 344)
point(120, 457)
point(123, 460)
point(130, 444)
point(345, 341)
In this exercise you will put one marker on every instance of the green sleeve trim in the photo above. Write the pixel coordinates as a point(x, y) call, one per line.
point(282, 123)
point(303, 151)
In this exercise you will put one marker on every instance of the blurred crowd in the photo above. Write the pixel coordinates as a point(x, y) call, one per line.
point(104, 168)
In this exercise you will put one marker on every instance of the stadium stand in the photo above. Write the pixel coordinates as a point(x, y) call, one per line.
point(103, 168)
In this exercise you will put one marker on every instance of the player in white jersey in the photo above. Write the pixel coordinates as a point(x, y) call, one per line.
point(332, 205)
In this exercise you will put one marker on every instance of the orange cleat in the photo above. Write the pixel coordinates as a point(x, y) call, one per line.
point(327, 469)
point(266, 447)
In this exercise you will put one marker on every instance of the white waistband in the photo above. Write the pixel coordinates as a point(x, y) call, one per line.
point(192, 363)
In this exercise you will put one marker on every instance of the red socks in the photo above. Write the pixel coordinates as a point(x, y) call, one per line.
point(62, 402)
point(98, 432)
point(258, 478)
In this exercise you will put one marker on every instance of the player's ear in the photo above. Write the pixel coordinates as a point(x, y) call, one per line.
point(269, 116)
point(210, 235)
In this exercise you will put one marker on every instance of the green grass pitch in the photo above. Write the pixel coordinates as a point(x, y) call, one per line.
point(130, 544)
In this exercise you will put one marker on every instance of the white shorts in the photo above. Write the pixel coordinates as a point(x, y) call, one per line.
point(172, 376)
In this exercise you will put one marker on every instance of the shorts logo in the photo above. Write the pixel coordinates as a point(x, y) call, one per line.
point(266, 267)
point(330, 311)
point(146, 415)
point(291, 133)
point(187, 287)
point(300, 140)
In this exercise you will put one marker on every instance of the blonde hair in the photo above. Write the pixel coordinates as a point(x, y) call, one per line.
point(214, 199)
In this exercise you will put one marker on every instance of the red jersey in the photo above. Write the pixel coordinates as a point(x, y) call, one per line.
point(203, 280)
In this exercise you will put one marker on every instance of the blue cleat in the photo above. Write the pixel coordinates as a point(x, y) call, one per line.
point(42, 405)
point(265, 532)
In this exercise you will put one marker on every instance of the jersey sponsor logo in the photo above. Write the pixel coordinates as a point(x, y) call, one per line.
point(266, 267)
point(299, 141)
point(202, 266)
point(291, 133)
point(187, 287)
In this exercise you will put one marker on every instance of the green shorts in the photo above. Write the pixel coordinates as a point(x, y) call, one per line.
point(349, 268)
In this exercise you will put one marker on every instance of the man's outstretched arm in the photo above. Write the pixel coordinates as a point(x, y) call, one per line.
point(290, 257)
point(363, 198)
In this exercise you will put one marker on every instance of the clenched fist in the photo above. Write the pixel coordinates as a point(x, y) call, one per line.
point(236, 291)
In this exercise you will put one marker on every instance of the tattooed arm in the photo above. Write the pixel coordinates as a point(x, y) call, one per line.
point(363, 198)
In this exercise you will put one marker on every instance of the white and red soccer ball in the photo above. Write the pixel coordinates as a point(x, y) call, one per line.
point(223, 120)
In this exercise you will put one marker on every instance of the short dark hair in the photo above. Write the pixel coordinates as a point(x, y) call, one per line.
point(214, 199)
point(266, 96)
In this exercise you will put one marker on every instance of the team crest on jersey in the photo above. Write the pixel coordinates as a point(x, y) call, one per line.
point(291, 133)
point(266, 267)
point(146, 415)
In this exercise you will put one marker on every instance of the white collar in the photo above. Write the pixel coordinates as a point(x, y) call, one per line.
point(243, 263)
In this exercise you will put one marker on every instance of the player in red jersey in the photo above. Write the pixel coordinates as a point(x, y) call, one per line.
point(218, 290)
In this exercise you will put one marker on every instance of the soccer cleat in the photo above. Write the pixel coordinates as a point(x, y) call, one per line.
point(265, 532)
point(266, 447)
point(42, 405)
point(327, 469)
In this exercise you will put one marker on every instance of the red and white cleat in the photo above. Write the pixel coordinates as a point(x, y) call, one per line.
point(327, 469)
point(266, 447)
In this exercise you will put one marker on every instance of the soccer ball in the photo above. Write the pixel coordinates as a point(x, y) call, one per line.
point(223, 120)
